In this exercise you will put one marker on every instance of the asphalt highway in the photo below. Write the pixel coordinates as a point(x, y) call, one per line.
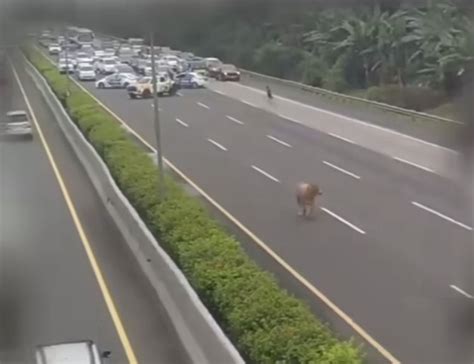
point(49, 289)
point(391, 244)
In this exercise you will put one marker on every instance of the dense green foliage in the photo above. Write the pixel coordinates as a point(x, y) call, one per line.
point(266, 324)
point(337, 48)
point(341, 48)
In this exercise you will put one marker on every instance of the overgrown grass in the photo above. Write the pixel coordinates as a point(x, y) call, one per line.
point(266, 324)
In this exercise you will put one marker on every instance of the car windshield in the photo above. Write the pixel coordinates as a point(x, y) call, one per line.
point(144, 80)
point(109, 61)
point(86, 68)
point(16, 118)
point(214, 63)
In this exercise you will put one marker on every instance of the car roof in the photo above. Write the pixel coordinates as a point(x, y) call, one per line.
point(17, 113)
point(68, 352)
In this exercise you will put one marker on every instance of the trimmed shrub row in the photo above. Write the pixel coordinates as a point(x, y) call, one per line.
point(265, 323)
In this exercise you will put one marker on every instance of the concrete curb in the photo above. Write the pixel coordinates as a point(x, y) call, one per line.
point(201, 337)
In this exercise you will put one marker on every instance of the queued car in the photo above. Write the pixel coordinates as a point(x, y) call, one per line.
point(143, 88)
point(82, 57)
point(228, 72)
point(213, 65)
point(116, 80)
point(63, 66)
point(16, 124)
point(85, 72)
point(106, 66)
point(54, 48)
point(77, 352)
point(190, 80)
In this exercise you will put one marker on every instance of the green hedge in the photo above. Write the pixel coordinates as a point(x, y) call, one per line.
point(265, 323)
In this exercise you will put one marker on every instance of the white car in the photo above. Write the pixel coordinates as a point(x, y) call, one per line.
point(85, 72)
point(117, 80)
point(54, 48)
point(16, 123)
point(78, 352)
point(106, 66)
point(63, 66)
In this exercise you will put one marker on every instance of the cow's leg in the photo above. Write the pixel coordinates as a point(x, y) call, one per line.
point(300, 203)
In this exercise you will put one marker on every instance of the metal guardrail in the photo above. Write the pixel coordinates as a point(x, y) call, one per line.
point(349, 99)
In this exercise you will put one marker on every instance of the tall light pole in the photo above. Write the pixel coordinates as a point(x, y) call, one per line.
point(156, 119)
point(66, 41)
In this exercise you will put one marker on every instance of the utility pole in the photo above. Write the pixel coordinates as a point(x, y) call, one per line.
point(66, 41)
point(156, 120)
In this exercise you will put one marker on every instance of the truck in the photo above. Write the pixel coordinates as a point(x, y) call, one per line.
point(143, 88)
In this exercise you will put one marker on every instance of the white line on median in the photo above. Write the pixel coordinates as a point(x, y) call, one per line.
point(182, 122)
point(220, 146)
point(447, 218)
point(248, 103)
point(414, 164)
point(459, 290)
point(342, 138)
point(234, 120)
point(355, 120)
point(279, 141)
point(341, 170)
point(266, 174)
point(344, 221)
point(203, 105)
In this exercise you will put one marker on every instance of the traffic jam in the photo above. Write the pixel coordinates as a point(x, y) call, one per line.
point(127, 64)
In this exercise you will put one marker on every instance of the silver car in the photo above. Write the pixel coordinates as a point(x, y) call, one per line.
point(16, 123)
point(77, 352)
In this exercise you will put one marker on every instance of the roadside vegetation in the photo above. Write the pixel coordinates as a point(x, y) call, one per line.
point(265, 323)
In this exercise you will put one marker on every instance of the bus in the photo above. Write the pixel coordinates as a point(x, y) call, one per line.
point(81, 36)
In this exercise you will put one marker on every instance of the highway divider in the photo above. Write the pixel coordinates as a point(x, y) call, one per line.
point(265, 323)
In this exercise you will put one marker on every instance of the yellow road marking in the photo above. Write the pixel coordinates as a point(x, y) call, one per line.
point(82, 234)
point(321, 296)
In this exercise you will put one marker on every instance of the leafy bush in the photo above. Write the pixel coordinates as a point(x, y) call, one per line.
point(410, 97)
point(265, 322)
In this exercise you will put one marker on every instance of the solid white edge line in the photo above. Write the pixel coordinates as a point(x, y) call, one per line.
point(344, 221)
point(279, 141)
point(182, 122)
point(266, 174)
point(220, 146)
point(461, 291)
point(203, 105)
point(341, 170)
point(447, 218)
point(234, 120)
point(298, 276)
point(248, 103)
point(414, 164)
point(342, 138)
point(367, 124)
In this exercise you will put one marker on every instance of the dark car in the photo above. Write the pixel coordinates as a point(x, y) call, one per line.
point(228, 72)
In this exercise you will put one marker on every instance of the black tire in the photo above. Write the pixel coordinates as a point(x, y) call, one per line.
point(101, 85)
point(194, 85)
point(125, 85)
point(132, 96)
point(146, 94)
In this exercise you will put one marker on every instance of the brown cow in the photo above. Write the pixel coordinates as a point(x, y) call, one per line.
point(305, 196)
